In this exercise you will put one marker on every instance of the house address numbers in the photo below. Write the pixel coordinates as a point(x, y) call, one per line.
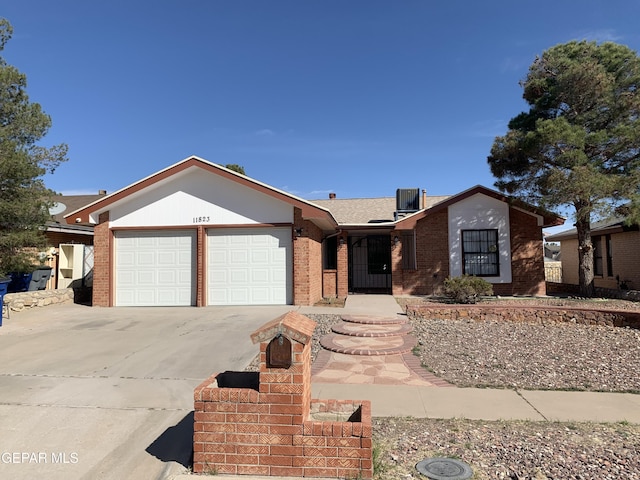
point(204, 219)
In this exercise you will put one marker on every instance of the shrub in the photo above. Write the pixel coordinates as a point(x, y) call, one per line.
point(467, 288)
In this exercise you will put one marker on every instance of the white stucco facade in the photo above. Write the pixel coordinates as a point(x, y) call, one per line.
point(199, 197)
point(479, 212)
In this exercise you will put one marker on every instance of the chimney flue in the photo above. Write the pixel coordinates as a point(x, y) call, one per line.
point(424, 198)
point(102, 192)
point(332, 195)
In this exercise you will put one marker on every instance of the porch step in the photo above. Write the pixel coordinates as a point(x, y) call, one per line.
point(372, 329)
point(370, 335)
point(372, 320)
point(389, 345)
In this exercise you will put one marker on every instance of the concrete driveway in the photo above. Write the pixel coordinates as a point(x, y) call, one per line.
point(102, 393)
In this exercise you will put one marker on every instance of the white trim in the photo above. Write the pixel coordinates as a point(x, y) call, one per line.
point(479, 212)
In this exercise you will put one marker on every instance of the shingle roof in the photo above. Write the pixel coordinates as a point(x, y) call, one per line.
point(72, 203)
point(608, 224)
point(359, 211)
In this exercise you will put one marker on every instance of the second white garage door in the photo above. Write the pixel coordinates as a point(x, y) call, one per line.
point(155, 268)
point(249, 266)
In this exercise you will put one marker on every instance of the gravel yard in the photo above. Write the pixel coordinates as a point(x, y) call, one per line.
point(510, 450)
point(523, 356)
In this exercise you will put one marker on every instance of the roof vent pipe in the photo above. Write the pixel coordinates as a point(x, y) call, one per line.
point(332, 196)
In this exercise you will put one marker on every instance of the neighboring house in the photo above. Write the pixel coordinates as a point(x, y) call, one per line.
point(616, 258)
point(552, 262)
point(59, 232)
point(199, 234)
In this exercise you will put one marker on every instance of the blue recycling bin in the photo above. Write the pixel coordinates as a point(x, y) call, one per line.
point(19, 282)
point(4, 284)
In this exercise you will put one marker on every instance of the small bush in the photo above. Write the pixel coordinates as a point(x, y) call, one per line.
point(467, 288)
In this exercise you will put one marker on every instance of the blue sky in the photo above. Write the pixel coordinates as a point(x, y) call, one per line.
point(354, 97)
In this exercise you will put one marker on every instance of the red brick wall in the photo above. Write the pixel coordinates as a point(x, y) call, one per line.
point(329, 283)
point(343, 267)
point(432, 258)
point(540, 316)
point(269, 431)
point(101, 265)
point(527, 257)
point(307, 262)
point(336, 282)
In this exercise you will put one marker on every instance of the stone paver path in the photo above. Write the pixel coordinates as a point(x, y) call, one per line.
point(365, 349)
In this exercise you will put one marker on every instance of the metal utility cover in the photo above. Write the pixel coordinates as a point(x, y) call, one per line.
point(444, 469)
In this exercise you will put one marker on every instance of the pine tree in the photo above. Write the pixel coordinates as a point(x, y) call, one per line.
point(578, 146)
point(24, 198)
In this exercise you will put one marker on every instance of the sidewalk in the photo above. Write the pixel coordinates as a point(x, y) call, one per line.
point(413, 396)
point(422, 399)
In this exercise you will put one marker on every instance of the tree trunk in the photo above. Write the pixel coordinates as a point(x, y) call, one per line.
point(585, 258)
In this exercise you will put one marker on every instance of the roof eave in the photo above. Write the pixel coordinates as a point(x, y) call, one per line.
point(309, 210)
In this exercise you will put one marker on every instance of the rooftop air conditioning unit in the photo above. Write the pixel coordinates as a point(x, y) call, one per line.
point(407, 200)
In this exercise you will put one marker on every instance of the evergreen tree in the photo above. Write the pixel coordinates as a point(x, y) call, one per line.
point(578, 146)
point(236, 168)
point(24, 199)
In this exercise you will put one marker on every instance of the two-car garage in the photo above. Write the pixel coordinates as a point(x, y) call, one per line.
point(199, 234)
point(244, 266)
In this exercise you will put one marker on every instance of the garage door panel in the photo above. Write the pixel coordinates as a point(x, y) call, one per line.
point(166, 258)
point(144, 258)
point(249, 266)
point(144, 241)
point(145, 278)
point(168, 277)
point(260, 275)
point(261, 255)
point(218, 296)
point(261, 295)
point(239, 276)
point(155, 268)
point(238, 257)
point(126, 259)
point(278, 276)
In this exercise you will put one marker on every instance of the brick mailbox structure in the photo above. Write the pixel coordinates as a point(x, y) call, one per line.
point(265, 423)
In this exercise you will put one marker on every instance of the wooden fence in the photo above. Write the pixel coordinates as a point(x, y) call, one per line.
point(553, 272)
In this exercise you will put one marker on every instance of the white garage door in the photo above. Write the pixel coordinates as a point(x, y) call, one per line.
point(249, 266)
point(155, 268)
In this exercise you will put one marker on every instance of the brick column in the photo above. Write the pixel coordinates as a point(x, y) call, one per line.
point(260, 423)
point(343, 267)
point(101, 266)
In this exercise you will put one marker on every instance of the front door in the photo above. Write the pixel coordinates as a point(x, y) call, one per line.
point(370, 264)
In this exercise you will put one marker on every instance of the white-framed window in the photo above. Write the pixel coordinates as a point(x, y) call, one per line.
point(480, 253)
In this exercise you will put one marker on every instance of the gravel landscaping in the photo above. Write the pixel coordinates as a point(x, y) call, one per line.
point(523, 356)
point(509, 450)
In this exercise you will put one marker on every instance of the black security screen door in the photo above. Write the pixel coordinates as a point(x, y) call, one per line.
point(378, 255)
point(370, 264)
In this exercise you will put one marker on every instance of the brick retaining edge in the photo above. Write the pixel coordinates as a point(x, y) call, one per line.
point(538, 315)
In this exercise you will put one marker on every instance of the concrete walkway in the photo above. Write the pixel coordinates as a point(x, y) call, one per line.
point(111, 389)
point(415, 394)
point(406, 392)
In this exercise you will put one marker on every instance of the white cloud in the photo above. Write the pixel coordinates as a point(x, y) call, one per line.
point(604, 35)
point(265, 132)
